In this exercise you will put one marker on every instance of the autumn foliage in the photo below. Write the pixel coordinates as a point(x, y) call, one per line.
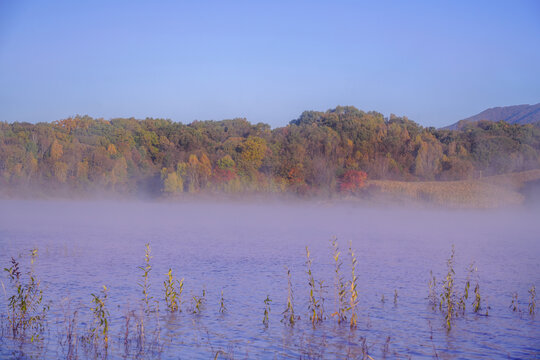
point(221, 176)
point(351, 181)
point(319, 153)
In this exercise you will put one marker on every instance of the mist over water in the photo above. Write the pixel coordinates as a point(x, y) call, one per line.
point(242, 249)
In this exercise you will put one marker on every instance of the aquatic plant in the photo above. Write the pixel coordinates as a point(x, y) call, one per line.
point(173, 291)
point(71, 337)
point(140, 334)
point(127, 327)
point(477, 306)
point(514, 305)
point(532, 303)
point(147, 337)
point(365, 349)
point(99, 332)
point(435, 355)
point(26, 311)
point(432, 295)
point(448, 295)
point(315, 307)
point(222, 308)
point(463, 299)
point(198, 302)
point(386, 347)
point(339, 286)
point(266, 314)
point(156, 341)
point(179, 292)
point(145, 285)
point(219, 352)
point(353, 301)
point(68, 339)
point(288, 313)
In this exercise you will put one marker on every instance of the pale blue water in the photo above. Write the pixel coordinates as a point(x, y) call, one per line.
point(242, 249)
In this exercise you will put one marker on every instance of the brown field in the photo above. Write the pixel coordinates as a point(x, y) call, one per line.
point(488, 192)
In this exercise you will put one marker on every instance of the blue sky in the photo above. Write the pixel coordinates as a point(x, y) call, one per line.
point(434, 61)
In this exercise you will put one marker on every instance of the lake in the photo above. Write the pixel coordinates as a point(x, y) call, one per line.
point(241, 250)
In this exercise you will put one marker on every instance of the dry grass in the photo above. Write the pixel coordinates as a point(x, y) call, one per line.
point(488, 192)
point(514, 180)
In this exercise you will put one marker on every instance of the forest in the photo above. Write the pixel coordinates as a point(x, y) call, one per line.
point(317, 154)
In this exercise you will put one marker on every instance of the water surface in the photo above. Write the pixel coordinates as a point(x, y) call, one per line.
point(242, 250)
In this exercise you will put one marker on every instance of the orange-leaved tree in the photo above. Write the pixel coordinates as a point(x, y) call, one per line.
point(352, 180)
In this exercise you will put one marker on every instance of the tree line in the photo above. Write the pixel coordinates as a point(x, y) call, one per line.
point(319, 153)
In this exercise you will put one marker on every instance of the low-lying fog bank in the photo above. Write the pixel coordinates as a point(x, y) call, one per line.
point(347, 220)
point(492, 192)
point(134, 223)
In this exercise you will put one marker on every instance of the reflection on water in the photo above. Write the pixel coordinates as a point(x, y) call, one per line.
point(243, 250)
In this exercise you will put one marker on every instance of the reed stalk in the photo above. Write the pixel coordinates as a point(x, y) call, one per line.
point(145, 284)
point(26, 311)
point(222, 308)
point(353, 301)
point(432, 294)
point(477, 302)
point(141, 334)
point(198, 302)
point(532, 303)
point(448, 295)
point(315, 307)
point(173, 291)
point(100, 330)
point(515, 304)
point(266, 315)
point(69, 338)
point(463, 299)
point(127, 328)
point(340, 288)
point(288, 315)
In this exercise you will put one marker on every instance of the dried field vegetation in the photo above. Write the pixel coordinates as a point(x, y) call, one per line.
point(488, 192)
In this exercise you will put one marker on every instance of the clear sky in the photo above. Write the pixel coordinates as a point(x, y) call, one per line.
point(433, 61)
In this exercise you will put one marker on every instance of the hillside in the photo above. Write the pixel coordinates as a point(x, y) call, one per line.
point(318, 154)
point(517, 114)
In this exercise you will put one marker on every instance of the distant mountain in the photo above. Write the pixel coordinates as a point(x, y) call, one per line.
point(517, 114)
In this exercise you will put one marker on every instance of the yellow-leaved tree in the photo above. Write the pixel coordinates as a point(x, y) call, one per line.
point(173, 184)
point(252, 152)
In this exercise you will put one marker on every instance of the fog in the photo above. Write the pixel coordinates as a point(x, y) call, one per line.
point(241, 248)
point(424, 235)
point(342, 219)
